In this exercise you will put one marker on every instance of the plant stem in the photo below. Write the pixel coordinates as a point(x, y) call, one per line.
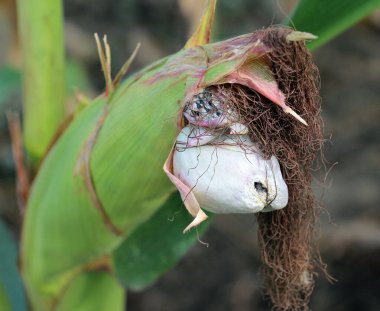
point(42, 43)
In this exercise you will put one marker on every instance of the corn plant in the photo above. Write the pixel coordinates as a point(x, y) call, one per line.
point(96, 218)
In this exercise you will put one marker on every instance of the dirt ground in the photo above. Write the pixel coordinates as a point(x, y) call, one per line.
point(225, 275)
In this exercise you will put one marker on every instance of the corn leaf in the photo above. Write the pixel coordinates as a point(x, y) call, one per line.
point(202, 34)
point(11, 288)
point(156, 245)
point(5, 304)
point(328, 18)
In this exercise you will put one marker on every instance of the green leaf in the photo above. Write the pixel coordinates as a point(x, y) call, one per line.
point(156, 245)
point(96, 290)
point(10, 281)
point(327, 18)
point(5, 304)
point(202, 34)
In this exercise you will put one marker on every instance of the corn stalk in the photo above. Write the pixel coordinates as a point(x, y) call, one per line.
point(41, 37)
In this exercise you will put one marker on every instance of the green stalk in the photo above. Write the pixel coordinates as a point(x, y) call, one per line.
point(42, 43)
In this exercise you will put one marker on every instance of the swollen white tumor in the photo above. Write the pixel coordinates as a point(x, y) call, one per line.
point(227, 174)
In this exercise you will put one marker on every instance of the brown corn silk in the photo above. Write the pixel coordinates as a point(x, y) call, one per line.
point(286, 237)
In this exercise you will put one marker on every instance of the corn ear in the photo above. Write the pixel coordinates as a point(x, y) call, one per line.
point(100, 197)
point(103, 178)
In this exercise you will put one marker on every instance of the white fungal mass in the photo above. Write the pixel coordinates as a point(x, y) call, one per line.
point(225, 172)
point(228, 174)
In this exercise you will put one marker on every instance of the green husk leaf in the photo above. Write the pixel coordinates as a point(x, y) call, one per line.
point(60, 203)
point(60, 217)
point(328, 18)
point(156, 245)
point(96, 290)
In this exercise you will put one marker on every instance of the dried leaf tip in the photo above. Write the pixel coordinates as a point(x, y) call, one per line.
point(123, 70)
point(300, 36)
point(105, 61)
point(202, 34)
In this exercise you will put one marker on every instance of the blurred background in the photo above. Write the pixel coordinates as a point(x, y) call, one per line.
point(225, 275)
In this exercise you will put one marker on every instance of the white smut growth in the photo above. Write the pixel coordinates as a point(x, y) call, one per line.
point(227, 174)
point(220, 165)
